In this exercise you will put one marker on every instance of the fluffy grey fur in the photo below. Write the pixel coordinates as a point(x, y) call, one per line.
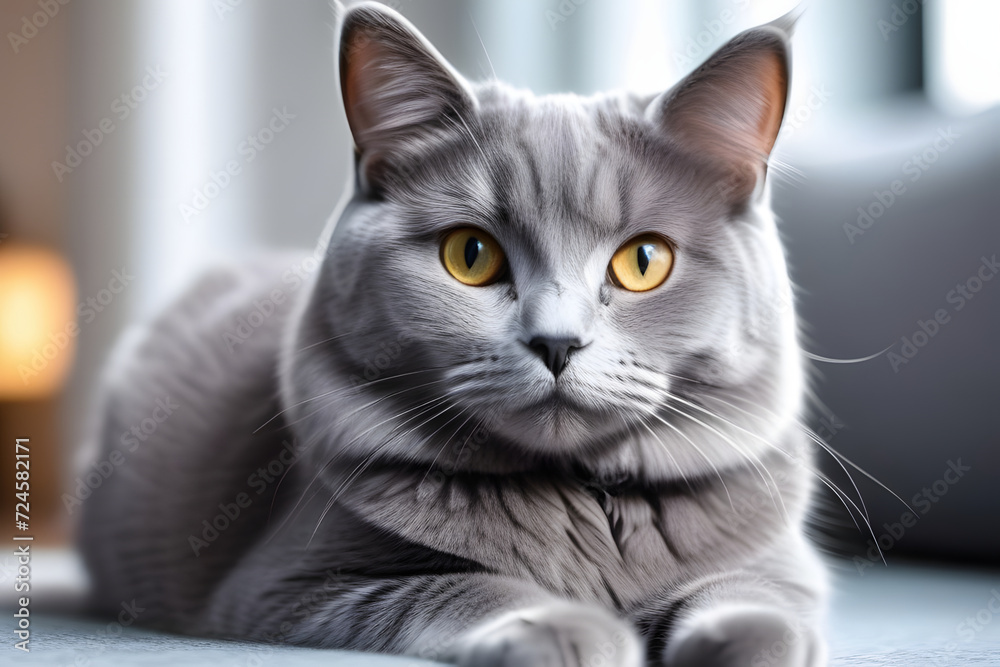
point(423, 483)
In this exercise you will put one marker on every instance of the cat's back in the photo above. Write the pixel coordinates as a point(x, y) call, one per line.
point(177, 440)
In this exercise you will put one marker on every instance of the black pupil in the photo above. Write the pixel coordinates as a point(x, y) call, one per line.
point(472, 248)
point(643, 254)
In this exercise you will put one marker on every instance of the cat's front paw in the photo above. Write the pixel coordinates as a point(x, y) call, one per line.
point(744, 635)
point(554, 635)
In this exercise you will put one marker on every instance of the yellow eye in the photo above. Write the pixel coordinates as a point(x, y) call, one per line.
point(472, 256)
point(642, 263)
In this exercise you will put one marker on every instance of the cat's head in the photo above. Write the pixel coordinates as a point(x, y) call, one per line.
point(583, 279)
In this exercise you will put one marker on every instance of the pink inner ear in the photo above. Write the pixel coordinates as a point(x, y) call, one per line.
point(730, 109)
point(395, 86)
point(774, 81)
point(362, 52)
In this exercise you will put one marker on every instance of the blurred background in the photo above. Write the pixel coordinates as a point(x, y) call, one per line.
point(141, 140)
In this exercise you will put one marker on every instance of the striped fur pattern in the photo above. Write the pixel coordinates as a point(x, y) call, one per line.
point(434, 489)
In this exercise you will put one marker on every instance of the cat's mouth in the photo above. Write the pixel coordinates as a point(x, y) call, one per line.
point(558, 421)
point(560, 401)
point(570, 400)
point(564, 404)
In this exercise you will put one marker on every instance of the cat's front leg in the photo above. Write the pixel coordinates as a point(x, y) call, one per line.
point(737, 620)
point(470, 619)
point(556, 633)
point(745, 635)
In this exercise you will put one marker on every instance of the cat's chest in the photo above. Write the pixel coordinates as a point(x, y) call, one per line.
point(575, 541)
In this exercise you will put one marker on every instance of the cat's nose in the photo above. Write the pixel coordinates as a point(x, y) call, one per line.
point(554, 352)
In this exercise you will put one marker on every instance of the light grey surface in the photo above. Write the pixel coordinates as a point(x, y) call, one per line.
point(904, 614)
point(915, 615)
point(58, 641)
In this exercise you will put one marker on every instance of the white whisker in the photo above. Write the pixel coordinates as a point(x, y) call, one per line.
point(345, 389)
point(843, 496)
point(754, 461)
point(367, 461)
point(357, 437)
point(700, 451)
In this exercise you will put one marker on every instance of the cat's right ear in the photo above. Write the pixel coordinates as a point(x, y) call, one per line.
point(729, 110)
point(397, 90)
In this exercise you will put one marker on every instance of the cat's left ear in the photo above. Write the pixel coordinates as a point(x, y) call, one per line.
point(729, 110)
point(397, 89)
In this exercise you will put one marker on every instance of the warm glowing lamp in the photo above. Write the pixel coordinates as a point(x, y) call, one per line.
point(38, 327)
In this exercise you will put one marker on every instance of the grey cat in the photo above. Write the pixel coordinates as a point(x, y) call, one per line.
point(537, 405)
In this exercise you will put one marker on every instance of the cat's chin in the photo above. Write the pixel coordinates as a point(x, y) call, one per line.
point(558, 424)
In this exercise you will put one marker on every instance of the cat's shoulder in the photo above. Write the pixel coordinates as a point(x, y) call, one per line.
point(227, 324)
